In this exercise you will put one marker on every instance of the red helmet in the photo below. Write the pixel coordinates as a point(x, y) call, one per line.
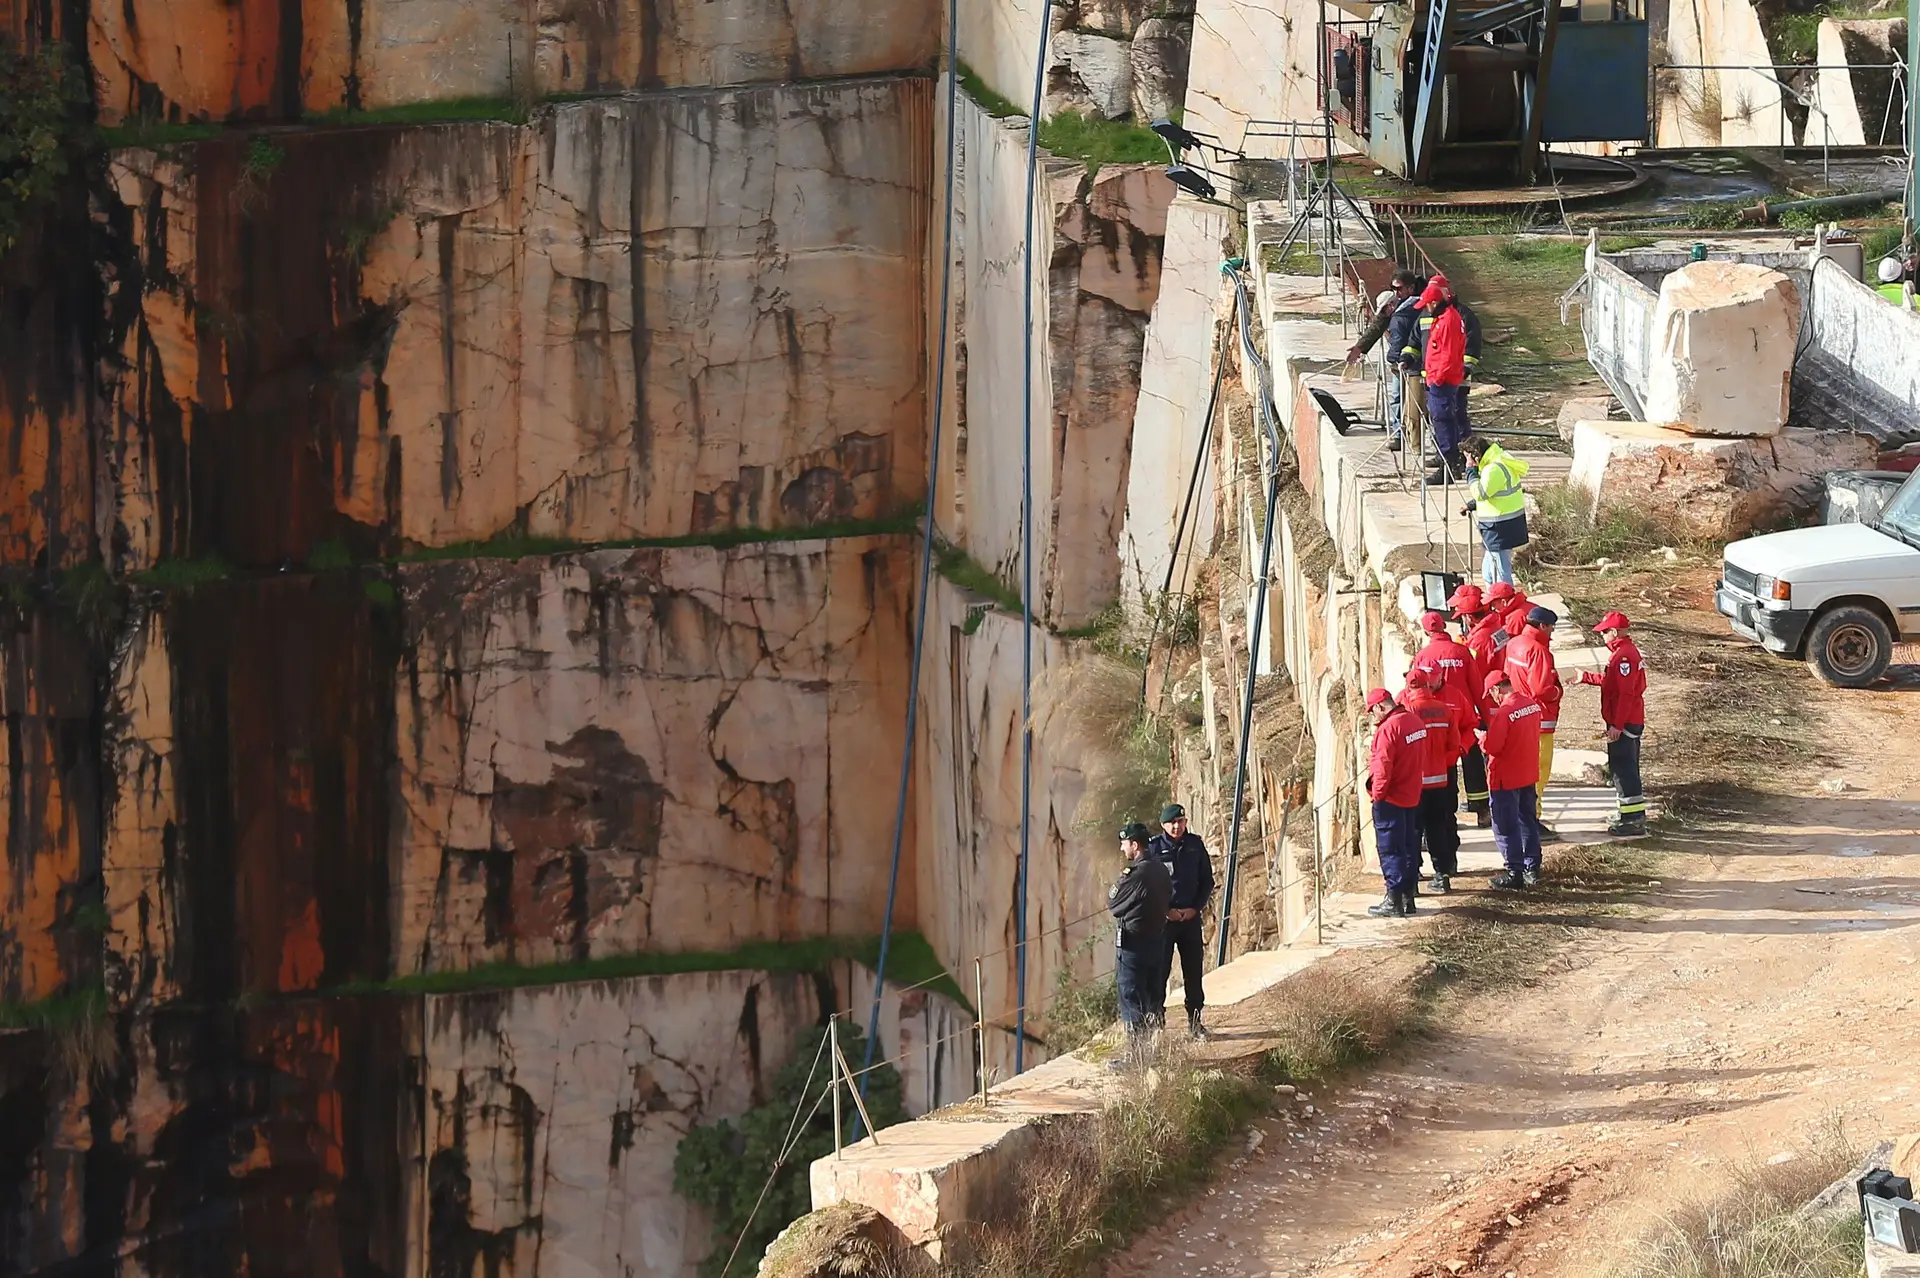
point(1613, 621)
point(1465, 600)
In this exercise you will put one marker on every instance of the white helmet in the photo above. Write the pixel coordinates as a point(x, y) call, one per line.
point(1890, 270)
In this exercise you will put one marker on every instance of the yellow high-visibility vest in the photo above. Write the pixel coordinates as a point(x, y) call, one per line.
point(1496, 490)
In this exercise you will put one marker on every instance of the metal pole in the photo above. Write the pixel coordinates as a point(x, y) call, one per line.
point(980, 1024)
point(846, 1072)
point(833, 1078)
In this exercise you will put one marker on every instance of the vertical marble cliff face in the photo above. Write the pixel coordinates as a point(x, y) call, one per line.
point(647, 317)
point(523, 1133)
point(525, 762)
point(1095, 282)
point(268, 59)
point(646, 750)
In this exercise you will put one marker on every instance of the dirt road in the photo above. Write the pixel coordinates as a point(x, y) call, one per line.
point(1762, 988)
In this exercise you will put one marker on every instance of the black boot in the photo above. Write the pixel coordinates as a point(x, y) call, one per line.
point(1628, 827)
point(1550, 835)
point(1530, 877)
point(1408, 904)
point(1195, 1030)
point(1483, 820)
point(1507, 881)
point(1387, 907)
point(1441, 884)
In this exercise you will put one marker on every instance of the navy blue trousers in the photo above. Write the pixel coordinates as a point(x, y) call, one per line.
point(1397, 834)
point(1516, 829)
point(1623, 757)
point(1141, 982)
point(1447, 410)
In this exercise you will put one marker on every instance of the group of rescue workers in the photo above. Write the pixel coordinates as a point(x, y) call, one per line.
point(1485, 707)
point(1481, 707)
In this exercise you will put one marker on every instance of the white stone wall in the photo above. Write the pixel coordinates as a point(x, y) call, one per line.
point(1252, 60)
point(1726, 107)
point(968, 793)
point(563, 1107)
point(628, 750)
point(1096, 275)
point(1861, 365)
point(1176, 373)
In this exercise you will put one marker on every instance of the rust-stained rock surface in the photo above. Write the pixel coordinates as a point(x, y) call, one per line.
point(249, 829)
point(496, 1132)
point(647, 750)
point(268, 59)
point(642, 317)
point(50, 794)
point(1095, 283)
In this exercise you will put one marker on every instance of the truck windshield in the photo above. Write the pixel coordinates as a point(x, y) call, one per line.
point(1901, 515)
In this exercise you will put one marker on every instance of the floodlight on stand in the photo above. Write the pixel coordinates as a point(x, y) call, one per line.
point(1436, 588)
point(1190, 181)
point(1174, 135)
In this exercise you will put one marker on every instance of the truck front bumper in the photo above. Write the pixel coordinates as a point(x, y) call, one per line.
point(1780, 631)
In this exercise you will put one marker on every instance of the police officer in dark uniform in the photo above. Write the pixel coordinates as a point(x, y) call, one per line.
point(1138, 903)
point(1191, 870)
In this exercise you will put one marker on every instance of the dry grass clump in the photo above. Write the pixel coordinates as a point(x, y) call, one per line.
point(1091, 704)
point(1334, 1016)
point(1760, 1225)
point(1091, 1181)
point(845, 1240)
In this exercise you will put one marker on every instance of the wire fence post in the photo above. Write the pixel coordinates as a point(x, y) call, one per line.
point(833, 1078)
point(859, 1104)
point(980, 1023)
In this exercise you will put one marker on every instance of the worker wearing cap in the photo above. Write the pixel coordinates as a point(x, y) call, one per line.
point(1470, 610)
point(1403, 297)
point(1511, 740)
point(1138, 902)
point(1446, 360)
point(1529, 660)
point(1623, 708)
point(1191, 870)
point(1450, 723)
point(1394, 774)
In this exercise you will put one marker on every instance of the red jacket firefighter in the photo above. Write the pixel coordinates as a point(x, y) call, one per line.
point(1449, 723)
point(1512, 738)
point(1623, 684)
point(1529, 661)
point(1399, 759)
point(1445, 659)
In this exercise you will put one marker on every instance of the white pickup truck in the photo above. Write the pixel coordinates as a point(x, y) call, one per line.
point(1839, 595)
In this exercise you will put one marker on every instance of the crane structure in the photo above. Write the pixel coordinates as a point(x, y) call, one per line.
point(1468, 91)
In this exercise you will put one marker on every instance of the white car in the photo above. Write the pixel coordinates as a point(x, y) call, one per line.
point(1840, 595)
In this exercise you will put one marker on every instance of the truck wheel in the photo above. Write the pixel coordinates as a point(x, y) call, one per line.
point(1850, 647)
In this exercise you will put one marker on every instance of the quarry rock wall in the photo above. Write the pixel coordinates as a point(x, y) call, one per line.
point(205, 60)
point(1092, 291)
point(578, 328)
point(500, 1129)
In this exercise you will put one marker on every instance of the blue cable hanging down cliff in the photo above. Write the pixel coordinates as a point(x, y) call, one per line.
point(926, 565)
point(1269, 423)
point(1026, 542)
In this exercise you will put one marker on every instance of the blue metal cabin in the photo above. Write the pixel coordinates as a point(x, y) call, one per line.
point(1471, 90)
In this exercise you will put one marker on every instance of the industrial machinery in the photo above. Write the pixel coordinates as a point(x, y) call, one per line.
point(1472, 90)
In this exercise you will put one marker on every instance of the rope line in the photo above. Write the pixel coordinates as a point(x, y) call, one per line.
point(926, 544)
point(1026, 527)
